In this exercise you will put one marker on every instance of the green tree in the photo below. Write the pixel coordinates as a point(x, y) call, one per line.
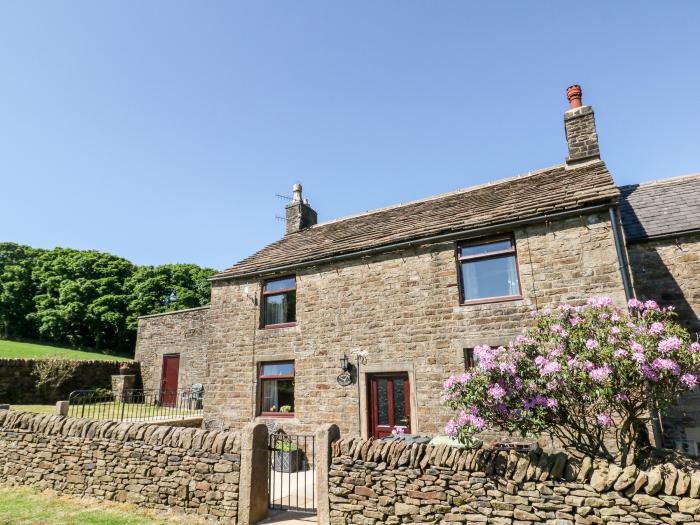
point(80, 298)
point(157, 289)
point(16, 290)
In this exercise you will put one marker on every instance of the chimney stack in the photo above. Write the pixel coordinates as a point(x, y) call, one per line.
point(579, 124)
point(299, 214)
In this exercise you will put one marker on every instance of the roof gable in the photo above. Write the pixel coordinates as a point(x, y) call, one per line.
point(547, 191)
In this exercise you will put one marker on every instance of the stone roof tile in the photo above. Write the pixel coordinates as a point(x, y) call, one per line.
point(660, 207)
point(547, 191)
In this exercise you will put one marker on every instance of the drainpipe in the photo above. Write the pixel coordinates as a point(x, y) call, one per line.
point(629, 293)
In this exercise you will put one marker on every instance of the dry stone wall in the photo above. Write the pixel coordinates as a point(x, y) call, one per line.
point(195, 471)
point(184, 333)
point(18, 380)
point(393, 482)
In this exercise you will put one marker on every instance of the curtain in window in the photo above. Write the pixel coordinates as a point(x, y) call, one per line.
point(270, 396)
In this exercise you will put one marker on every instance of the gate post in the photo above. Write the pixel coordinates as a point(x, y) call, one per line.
point(255, 466)
point(325, 436)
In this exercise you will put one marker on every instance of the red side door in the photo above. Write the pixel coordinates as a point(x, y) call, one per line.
point(168, 383)
point(389, 405)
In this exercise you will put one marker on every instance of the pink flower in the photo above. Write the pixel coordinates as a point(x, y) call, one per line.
point(689, 380)
point(649, 372)
point(622, 397)
point(620, 353)
point(557, 329)
point(600, 374)
point(667, 345)
point(666, 364)
point(656, 328)
point(398, 431)
point(695, 347)
point(575, 321)
point(636, 347)
point(591, 344)
point(449, 382)
point(552, 403)
point(496, 391)
point(615, 330)
point(604, 420)
point(651, 305)
point(451, 428)
point(600, 302)
point(635, 304)
point(550, 368)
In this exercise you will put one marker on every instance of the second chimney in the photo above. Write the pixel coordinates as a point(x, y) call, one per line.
point(579, 124)
point(299, 214)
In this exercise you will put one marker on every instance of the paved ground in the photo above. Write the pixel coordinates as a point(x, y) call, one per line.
point(296, 489)
point(289, 518)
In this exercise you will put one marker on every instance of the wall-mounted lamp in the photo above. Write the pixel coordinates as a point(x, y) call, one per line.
point(345, 378)
point(344, 363)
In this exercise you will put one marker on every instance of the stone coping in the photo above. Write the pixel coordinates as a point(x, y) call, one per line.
point(214, 441)
point(175, 312)
point(519, 467)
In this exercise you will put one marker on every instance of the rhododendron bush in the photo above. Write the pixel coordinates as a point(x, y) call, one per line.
point(583, 375)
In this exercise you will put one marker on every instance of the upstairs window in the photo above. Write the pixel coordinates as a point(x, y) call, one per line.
point(279, 302)
point(488, 270)
point(277, 389)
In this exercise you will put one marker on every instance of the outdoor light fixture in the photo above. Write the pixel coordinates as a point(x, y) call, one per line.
point(344, 363)
point(345, 378)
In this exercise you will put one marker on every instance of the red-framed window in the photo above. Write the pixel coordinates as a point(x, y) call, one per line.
point(469, 358)
point(276, 389)
point(279, 302)
point(488, 270)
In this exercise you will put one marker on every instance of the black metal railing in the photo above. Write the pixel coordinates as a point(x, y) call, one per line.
point(292, 479)
point(136, 404)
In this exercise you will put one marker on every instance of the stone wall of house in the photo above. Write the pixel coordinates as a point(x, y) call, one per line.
point(404, 309)
point(668, 271)
point(18, 379)
point(195, 471)
point(183, 332)
point(395, 482)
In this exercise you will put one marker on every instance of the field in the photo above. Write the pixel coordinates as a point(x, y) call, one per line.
point(24, 506)
point(18, 350)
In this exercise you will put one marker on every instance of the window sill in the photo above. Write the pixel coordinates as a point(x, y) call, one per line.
point(279, 325)
point(504, 299)
point(275, 414)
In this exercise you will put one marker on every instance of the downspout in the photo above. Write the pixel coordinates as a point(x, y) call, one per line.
point(629, 294)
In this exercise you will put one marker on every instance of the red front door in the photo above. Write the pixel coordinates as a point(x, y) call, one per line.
point(168, 383)
point(389, 405)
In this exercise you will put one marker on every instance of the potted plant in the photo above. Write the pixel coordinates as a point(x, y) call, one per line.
point(124, 369)
point(286, 456)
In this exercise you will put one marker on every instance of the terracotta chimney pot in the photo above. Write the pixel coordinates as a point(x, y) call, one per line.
point(573, 93)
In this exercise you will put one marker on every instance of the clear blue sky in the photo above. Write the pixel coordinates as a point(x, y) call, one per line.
point(161, 131)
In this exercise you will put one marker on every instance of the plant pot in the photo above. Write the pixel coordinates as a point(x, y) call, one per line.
point(123, 371)
point(286, 460)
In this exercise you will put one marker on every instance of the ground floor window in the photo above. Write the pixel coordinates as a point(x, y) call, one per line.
point(276, 385)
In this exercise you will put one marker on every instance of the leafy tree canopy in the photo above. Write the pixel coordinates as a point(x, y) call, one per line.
point(87, 298)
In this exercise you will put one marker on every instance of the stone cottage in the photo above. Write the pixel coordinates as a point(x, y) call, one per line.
point(359, 320)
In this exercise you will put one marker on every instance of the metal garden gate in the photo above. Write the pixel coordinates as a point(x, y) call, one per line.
point(292, 479)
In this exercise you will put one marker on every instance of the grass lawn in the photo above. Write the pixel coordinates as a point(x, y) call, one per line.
point(38, 409)
point(25, 506)
point(17, 350)
point(114, 410)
